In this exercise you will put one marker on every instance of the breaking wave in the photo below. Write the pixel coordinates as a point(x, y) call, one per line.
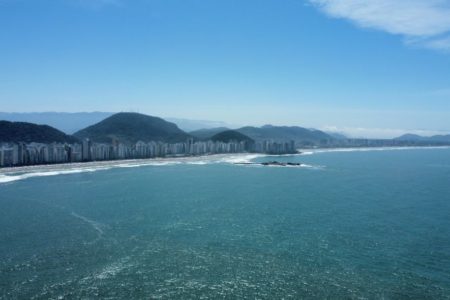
point(10, 178)
point(243, 158)
point(9, 175)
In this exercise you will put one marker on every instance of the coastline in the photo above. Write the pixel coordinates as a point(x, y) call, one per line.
point(195, 160)
point(12, 174)
point(127, 163)
point(309, 151)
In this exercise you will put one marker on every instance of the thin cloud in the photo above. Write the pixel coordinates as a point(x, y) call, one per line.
point(423, 23)
point(442, 44)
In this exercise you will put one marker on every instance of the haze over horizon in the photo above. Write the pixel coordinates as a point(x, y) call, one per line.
point(365, 68)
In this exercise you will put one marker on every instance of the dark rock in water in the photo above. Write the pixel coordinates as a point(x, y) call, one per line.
point(281, 164)
point(273, 163)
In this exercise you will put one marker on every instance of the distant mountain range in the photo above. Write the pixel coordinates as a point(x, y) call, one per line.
point(66, 122)
point(132, 127)
point(337, 135)
point(14, 132)
point(81, 124)
point(269, 132)
point(192, 125)
point(231, 135)
point(73, 122)
point(128, 128)
point(286, 133)
point(417, 138)
point(207, 133)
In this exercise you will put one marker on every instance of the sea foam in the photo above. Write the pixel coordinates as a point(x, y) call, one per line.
point(9, 175)
point(10, 178)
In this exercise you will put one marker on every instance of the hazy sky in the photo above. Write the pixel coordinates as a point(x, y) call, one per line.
point(365, 67)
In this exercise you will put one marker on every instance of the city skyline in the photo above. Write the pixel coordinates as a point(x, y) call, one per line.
point(374, 70)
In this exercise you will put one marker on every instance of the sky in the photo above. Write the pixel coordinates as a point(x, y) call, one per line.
point(373, 68)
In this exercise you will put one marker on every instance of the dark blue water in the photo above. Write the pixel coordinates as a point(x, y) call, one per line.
point(356, 225)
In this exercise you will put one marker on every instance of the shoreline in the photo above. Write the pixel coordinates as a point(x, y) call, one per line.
point(307, 151)
point(232, 158)
point(130, 162)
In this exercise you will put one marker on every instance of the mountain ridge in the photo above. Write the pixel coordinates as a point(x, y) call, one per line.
point(71, 122)
point(231, 136)
point(298, 134)
point(132, 127)
point(441, 138)
point(16, 132)
point(207, 133)
point(66, 122)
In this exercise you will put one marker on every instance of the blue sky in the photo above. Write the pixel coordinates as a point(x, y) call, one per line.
point(374, 68)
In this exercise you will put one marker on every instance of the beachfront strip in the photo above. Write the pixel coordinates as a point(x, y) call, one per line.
point(23, 154)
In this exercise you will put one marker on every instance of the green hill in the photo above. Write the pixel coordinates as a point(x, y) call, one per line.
point(286, 133)
point(207, 133)
point(132, 127)
point(29, 132)
point(231, 136)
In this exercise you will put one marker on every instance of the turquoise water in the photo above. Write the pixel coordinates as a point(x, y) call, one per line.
point(354, 225)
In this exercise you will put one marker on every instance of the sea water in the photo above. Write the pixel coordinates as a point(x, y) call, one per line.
point(346, 224)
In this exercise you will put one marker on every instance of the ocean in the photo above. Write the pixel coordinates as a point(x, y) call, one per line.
point(347, 224)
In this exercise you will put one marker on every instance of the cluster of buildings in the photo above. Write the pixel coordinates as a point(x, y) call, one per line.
point(271, 147)
point(21, 154)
